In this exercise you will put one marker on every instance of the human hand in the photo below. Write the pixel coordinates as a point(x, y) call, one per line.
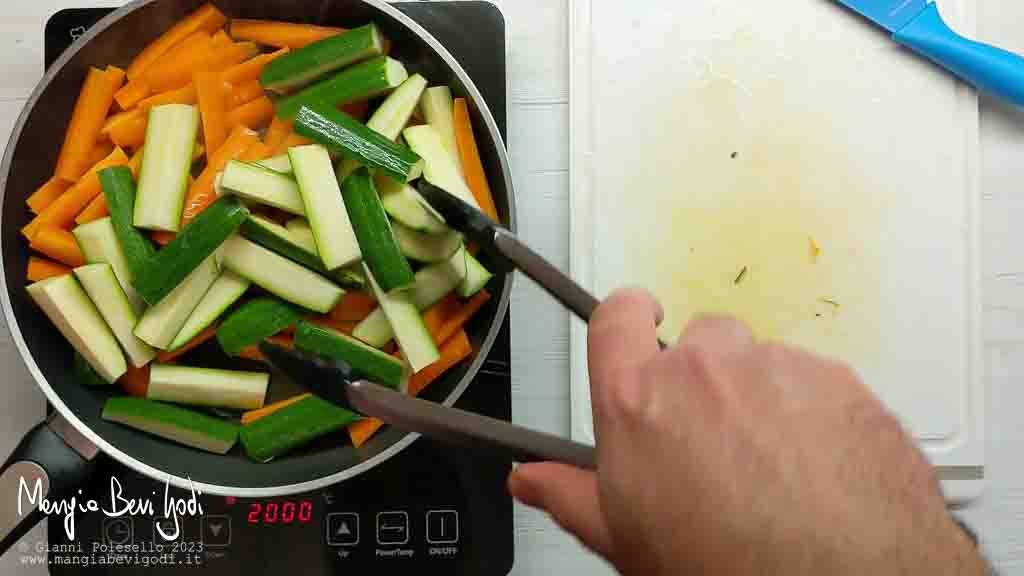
point(723, 455)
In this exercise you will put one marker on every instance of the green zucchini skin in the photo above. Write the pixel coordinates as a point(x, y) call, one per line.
point(174, 423)
point(342, 134)
point(373, 231)
point(253, 321)
point(364, 360)
point(305, 65)
point(86, 375)
point(363, 81)
point(171, 265)
point(292, 427)
point(119, 191)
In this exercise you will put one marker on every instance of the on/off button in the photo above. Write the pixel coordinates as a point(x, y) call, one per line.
point(442, 527)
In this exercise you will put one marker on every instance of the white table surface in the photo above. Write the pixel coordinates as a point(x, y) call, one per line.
point(538, 146)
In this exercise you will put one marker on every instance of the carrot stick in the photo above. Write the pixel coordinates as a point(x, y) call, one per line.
point(454, 350)
point(62, 211)
point(173, 70)
point(258, 151)
point(100, 151)
point(166, 356)
point(47, 193)
point(435, 316)
point(135, 163)
point(250, 69)
point(128, 129)
point(294, 139)
point(135, 382)
point(212, 107)
point(278, 131)
point(96, 209)
point(455, 322)
point(184, 95)
point(280, 34)
point(476, 178)
point(253, 415)
point(57, 243)
point(90, 112)
point(201, 193)
point(255, 114)
point(207, 18)
point(225, 57)
point(220, 39)
point(245, 92)
point(353, 307)
point(41, 269)
point(362, 430)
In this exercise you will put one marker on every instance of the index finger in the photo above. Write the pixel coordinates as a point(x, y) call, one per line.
point(622, 332)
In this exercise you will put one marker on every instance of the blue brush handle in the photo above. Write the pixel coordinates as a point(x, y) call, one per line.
point(986, 67)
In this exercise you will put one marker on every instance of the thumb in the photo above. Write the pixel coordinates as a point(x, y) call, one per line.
point(569, 495)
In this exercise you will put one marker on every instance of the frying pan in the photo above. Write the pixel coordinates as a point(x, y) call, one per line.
point(60, 451)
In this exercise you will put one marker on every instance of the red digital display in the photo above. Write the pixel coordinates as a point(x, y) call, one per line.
point(287, 512)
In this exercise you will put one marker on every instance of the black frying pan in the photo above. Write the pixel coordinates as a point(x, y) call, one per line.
point(59, 451)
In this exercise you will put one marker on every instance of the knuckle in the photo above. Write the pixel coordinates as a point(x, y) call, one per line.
point(620, 299)
point(627, 396)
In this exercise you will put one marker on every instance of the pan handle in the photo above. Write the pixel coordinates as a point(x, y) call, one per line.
point(51, 461)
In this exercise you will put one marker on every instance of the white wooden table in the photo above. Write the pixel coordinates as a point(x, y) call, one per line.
point(538, 145)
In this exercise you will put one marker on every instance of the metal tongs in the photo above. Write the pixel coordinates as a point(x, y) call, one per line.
point(335, 382)
point(503, 246)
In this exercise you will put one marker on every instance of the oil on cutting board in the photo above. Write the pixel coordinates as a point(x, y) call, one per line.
point(786, 163)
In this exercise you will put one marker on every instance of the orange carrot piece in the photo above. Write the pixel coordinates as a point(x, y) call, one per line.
point(255, 114)
point(256, 152)
point(353, 307)
point(362, 430)
point(62, 211)
point(245, 93)
point(212, 107)
point(91, 109)
point(173, 70)
point(128, 129)
point(253, 415)
point(207, 18)
point(201, 193)
point(435, 316)
point(184, 95)
point(358, 110)
point(96, 209)
point(280, 34)
point(100, 151)
point(294, 139)
point(278, 131)
point(250, 69)
point(57, 243)
point(454, 350)
point(135, 163)
point(165, 356)
point(221, 39)
point(42, 268)
point(135, 382)
point(225, 57)
point(457, 321)
point(162, 237)
point(251, 353)
point(47, 193)
point(473, 168)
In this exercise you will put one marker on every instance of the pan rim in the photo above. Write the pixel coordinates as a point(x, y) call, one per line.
point(241, 491)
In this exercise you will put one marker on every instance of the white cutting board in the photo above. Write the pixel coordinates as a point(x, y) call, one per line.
point(711, 136)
